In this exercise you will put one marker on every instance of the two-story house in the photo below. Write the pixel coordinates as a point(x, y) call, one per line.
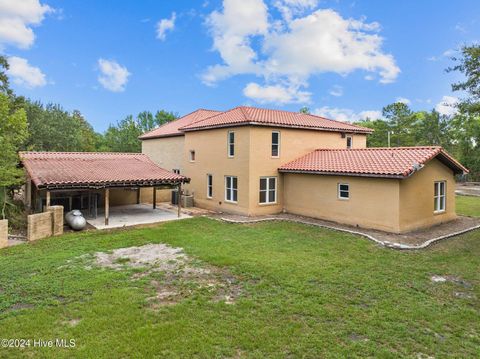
point(254, 161)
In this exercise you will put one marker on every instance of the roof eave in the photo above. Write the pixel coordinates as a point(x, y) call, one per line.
point(262, 124)
point(142, 138)
point(351, 174)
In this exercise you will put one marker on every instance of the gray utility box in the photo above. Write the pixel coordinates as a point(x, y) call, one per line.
point(187, 201)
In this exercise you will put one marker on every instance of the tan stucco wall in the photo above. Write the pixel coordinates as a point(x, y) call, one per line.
point(252, 160)
point(294, 143)
point(121, 197)
point(373, 203)
point(167, 152)
point(212, 158)
point(417, 193)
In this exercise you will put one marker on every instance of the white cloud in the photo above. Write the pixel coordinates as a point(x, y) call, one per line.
point(275, 94)
point(24, 74)
point(346, 115)
point(165, 25)
point(447, 106)
point(290, 8)
point(16, 20)
point(404, 100)
point(294, 48)
point(231, 31)
point(336, 91)
point(114, 76)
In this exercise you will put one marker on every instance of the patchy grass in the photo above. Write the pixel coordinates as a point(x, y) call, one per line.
point(306, 292)
point(468, 206)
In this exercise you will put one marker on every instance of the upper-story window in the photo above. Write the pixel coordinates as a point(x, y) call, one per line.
point(231, 143)
point(192, 156)
point(275, 144)
point(349, 141)
point(176, 170)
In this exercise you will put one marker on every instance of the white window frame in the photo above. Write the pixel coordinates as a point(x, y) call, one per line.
point(351, 141)
point(278, 145)
point(176, 171)
point(339, 191)
point(231, 190)
point(230, 145)
point(267, 190)
point(439, 200)
point(209, 185)
point(192, 155)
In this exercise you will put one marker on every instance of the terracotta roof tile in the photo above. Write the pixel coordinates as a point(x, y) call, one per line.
point(395, 162)
point(264, 117)
point(171, 128)
point(88, 169)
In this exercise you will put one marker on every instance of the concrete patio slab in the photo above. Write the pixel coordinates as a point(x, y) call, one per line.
point(132, 215)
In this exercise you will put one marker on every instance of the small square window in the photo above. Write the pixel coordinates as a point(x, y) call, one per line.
point(349, 142)
point(343, 191)
point(192, 156)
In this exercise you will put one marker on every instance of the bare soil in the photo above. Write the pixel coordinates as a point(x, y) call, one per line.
point(180, 275)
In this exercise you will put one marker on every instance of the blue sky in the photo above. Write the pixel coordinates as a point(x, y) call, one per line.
point(342, 59)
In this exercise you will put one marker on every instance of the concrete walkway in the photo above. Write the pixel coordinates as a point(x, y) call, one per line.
point(131, 215)
point(413, 240)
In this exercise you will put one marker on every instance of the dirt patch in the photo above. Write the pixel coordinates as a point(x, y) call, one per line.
point(177, 276)
point(451, 279)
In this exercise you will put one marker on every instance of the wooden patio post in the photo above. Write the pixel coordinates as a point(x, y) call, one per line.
point(154, 197)
point(179, 198)
point(107, 205)
point(138, 195)
point(48, 199)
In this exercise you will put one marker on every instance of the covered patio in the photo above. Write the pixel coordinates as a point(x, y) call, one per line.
point(106, 187)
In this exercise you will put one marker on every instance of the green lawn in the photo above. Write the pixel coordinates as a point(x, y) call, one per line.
point(468, 206)
point(306, 292)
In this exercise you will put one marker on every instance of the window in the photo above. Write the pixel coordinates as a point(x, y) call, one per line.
point(349, 141)
point(176, 170)
point(231, 143)
point(192, 156)
point(275, 144)
point(343, 191)
point(209, 186)
point(231, 184)
point(439, 197)
point(268, 190)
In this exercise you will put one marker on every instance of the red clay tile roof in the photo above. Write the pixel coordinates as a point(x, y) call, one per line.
point(263, 117)
point(170, 129)
point(395, 162)
point(94, 170)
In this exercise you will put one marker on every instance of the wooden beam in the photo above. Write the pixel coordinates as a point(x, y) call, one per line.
point(48, 199)
point(138, 195)
point(179, 198)
point(154, 197)
point(107, 205)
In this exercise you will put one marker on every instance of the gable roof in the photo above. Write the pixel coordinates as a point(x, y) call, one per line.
point(170, 129)
point(264, 117)
point(394, 162)
point(54, 170)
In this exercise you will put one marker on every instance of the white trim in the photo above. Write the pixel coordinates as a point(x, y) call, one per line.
point(348, 191)
point(267, 190)
point(278, 144)
point(231, 189)
point(209, 186)
point(229, 144)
